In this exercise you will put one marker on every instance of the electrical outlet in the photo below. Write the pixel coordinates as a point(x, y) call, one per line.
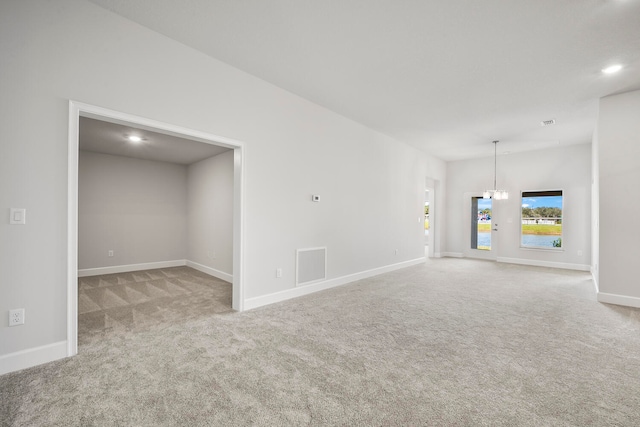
point(278, 272)
point(395, 252)
point(110, 253)
point(16, 317)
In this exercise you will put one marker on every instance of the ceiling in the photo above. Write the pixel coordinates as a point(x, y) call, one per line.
point(112, 138)
point(446, 76)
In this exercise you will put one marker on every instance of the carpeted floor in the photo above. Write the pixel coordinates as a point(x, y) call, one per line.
point(132, 302)
point(448, 343)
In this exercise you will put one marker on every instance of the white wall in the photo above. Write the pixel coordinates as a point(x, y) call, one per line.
point(563, 168)
point(371, 186)
point(210, 223)
point(619, 159)
point(137, 208)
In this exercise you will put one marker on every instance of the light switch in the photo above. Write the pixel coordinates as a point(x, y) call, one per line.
point(18, 216)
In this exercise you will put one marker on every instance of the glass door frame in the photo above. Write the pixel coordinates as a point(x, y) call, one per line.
point(470, 219)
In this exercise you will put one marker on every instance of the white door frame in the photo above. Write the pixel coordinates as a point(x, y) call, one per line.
point(77, 110)
point(491, 255)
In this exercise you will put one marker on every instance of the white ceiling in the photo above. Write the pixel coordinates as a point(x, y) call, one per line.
point(446, 76)
point(111, 138)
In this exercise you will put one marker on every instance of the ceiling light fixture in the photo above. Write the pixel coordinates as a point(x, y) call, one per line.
point(495, 193)
point(612, 69)
point(134, 138)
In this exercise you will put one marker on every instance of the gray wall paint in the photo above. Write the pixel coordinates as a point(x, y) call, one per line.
point(137, 208)
point(210, 218)
point(619, 158)
point(372, 186)
point(565, 168)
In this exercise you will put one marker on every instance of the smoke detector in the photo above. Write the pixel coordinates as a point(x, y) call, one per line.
point(548, 122)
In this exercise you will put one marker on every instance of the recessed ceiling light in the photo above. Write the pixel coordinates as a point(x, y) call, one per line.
point(134, 138)
point(612, 69)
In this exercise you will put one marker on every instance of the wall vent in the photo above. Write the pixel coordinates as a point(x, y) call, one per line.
point(311, 265)
point(548, 122)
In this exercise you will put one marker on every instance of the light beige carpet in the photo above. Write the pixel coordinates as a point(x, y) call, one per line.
point(448, 343)
point(132, 302)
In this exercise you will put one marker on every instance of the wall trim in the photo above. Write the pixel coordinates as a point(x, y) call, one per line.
point(619, 299)
point(453, 254)
point(210, 271)
point(538, 263)
point(154, 265)
point(260, 301)
point(130, 267)
point(24, 359)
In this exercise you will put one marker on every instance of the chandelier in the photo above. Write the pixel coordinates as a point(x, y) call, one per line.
point(495, 193)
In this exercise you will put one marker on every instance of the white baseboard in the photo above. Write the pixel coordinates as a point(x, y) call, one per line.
point(130, 267)
point(619, 299)
point(211, 271)
point(437, 255)
point(453, 254)
point(153, 265)
point(538, 263)
point(326, 284)
point(32, 357)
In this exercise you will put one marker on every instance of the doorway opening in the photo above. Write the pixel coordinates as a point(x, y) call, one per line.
point(481, 230)
point(428, 222)
point(430, 218)
point(427, 204)
point(480, 227)
point(186, 136)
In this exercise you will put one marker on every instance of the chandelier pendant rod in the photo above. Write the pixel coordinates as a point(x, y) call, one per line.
point(495, 165)
point(495, 193)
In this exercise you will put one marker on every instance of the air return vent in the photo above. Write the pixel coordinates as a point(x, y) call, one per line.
point(548, 122)
point(311, 265)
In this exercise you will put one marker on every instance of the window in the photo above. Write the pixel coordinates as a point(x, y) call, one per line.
point(541, 219)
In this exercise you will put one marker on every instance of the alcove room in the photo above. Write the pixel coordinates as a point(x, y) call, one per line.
point(154, 229)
